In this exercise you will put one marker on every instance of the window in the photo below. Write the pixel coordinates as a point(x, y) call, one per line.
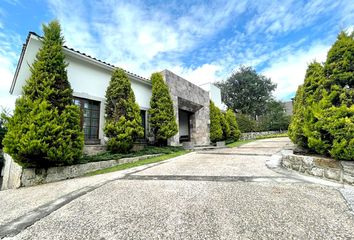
point(143, 120)
point(90, 116)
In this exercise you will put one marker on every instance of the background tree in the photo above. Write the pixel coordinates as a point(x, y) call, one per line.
point(245, 123)
point(45, 128)
point(246, 91)
point(274, 118)
point(232, 122)
point(4, 115)
point(162, 118)
point(216, 133)
point(123, 120)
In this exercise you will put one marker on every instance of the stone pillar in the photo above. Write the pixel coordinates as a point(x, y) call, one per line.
point(174, 141)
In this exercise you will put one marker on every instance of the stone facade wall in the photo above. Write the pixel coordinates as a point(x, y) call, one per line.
point(187, 96)
point(15, 176)
point(254, 135)
point(342, 171)
point(11, 174)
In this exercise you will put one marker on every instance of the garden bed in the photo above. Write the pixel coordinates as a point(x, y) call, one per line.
point(15, 176)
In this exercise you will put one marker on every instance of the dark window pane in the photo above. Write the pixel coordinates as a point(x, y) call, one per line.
point(95, 114)
point(90, 117)
point(95, 106)
point(94, 122)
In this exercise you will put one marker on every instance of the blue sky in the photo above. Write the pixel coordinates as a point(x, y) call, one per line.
point(203, 41)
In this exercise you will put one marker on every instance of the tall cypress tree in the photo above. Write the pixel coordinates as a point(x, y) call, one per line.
point(49, 71)
point(162, 118)
point(216, 133)
point(337, 104)
point(231, 119)
point(323, 117)
point(123, 120)
point(45, 128)
point(226, 131)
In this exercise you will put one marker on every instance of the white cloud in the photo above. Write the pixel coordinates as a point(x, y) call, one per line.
point(8, 60)
point(206, 73)
point(288, 71)
point(141, 38)
point(6, 72)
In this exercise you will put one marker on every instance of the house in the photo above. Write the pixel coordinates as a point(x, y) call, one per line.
point(89, 78)
point(288, 108)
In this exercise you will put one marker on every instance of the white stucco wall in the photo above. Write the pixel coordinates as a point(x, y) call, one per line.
point(84, 76)
point(214, 95)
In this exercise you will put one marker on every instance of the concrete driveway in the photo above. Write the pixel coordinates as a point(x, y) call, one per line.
point(219, 194)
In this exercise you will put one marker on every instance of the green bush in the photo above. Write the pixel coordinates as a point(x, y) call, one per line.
point(123, 120)
point(323, 117)
point(162, 118)
point(245, 123)
point(216, 132)
point(235, 133)
point(45, 128)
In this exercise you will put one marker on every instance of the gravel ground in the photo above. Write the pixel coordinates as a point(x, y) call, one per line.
point(199, 210)
point(212, 195)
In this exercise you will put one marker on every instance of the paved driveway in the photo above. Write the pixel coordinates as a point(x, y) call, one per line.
point(219, 194)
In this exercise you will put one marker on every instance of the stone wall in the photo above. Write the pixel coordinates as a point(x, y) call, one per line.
point(254, 135)
point(15, 176)
point(189, 97)
point(328, 168)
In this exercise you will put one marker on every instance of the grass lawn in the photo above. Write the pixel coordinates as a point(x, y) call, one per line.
point(148, 150)
point(239, 143)
point(139, 163)
point(273, 135)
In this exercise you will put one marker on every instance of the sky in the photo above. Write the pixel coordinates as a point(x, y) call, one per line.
point(202, 41)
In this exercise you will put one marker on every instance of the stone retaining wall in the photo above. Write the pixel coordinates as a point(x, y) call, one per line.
point(342, 171)
point(15, 176)
point(254, 135)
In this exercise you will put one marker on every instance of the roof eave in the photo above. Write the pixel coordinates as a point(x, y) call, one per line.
point(74, 53)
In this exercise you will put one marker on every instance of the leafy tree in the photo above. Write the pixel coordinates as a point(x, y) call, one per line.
point(245, 123)
point(216, 132)
point(162, 118)
point(45, 128)
point(232, 122)
point(123, 120)
point(246, 91)
point(274, 118)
